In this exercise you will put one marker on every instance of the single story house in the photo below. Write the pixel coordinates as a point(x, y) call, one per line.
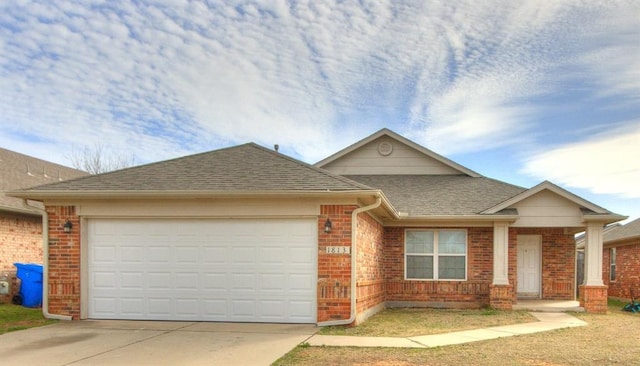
point(621, 261)
point(248, 234)
point(21, 226)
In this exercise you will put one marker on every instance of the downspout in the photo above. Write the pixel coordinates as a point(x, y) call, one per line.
point(45, 272)
point(354, 247)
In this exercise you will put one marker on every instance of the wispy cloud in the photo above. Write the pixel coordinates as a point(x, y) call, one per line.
point(165, 78)
point(604, 164)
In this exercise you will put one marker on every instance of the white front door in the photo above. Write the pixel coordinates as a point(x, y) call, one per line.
point(529, 248)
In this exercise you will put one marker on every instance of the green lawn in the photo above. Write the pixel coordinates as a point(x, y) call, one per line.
point(14, 317)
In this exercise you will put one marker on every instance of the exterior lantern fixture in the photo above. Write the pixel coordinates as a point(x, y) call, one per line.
point(328, 226)
point(67, 226)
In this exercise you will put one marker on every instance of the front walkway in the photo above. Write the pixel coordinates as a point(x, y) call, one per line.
point(547, 321)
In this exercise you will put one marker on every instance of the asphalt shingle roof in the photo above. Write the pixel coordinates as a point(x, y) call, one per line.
point(629, 230)
point(18, 171)
point(247, 167)
point(420, 195)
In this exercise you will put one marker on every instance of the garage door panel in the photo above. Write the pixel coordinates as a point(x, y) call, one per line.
point(158, 254)
point(131, 280)
point(216, 270)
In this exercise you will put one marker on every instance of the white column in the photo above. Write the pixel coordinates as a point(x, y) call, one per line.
point(593, 254)
point(500, 253)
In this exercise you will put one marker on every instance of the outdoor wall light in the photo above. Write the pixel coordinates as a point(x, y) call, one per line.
point(67, 226)
point(328, 226)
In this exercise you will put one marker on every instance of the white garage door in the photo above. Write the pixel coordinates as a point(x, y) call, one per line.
point(209, 270)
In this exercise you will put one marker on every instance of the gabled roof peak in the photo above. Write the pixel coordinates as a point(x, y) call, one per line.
point(395, 136)
point(589, 209)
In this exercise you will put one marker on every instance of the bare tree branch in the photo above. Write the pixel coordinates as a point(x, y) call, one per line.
point(98, 160)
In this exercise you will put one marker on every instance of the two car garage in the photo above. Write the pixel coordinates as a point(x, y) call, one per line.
point(241, 270)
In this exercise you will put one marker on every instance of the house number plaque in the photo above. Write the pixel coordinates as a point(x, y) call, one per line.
point(338, 250)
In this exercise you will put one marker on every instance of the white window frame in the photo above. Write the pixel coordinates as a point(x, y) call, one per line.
point(612, 264)
point(436, 255)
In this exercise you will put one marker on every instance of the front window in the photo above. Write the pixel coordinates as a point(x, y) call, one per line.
point(435, 254)
point(612, 264)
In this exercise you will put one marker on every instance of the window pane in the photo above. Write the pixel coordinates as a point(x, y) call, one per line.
point(451, 268)
point(420, 267)
point(452, 242)
point(613, 273)
point(419, 241)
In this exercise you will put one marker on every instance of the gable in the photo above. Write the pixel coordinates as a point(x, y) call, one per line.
point(387, 153)
point(387, 156)
point(548, 209)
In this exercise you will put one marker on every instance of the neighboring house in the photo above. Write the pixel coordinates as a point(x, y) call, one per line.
point(621, 261)
point(21, 227)
point(248, 234)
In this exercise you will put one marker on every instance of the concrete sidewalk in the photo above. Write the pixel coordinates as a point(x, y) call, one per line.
point(547, 322)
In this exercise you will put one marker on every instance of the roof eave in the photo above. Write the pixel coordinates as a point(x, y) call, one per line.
point(22, 211)
point(605, 219)
point(149, 194)
point(407, 220)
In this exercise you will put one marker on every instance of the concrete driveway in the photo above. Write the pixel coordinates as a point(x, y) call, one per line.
point(114, 342)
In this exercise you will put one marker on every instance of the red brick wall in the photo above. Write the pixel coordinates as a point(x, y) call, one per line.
point(21, 242)
point(627, 271)
point(471, 293)
point(558, 265)
point(558, 262)
point(370, 280)
point(334, 270)
point(64, 262)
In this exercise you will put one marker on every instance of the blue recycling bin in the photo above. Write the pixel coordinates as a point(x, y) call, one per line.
point(30, 275)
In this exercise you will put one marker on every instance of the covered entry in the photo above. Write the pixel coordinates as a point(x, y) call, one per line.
point(529, 264)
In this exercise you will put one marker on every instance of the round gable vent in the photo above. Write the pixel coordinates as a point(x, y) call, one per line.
point(385, 148)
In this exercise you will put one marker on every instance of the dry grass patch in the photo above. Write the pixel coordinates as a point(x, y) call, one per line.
point(415, 322)
point(607, 339)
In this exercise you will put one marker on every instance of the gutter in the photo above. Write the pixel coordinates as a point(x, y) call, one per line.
point(354, 247)
point(45, 272)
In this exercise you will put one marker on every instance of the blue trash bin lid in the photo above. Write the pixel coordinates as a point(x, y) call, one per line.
point(29, 267)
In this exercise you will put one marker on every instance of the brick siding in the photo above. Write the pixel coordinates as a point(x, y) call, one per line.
point(20, 242)
point(593, 298)
point(627, 271)
point(380, 273)
point(334, 270)
point(370, 280)
point(473, 292)
point(558, 261)
point(64, 262)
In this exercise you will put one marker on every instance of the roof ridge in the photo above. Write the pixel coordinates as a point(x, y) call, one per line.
point(309, 166)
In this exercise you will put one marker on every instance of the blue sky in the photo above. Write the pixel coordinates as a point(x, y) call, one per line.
point(521, 91)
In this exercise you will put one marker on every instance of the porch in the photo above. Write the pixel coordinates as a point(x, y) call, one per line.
point(549, 306)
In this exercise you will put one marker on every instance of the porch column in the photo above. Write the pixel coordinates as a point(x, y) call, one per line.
point(593, 255)
point(501, 253)
point(593, 293)
point(500, 291)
